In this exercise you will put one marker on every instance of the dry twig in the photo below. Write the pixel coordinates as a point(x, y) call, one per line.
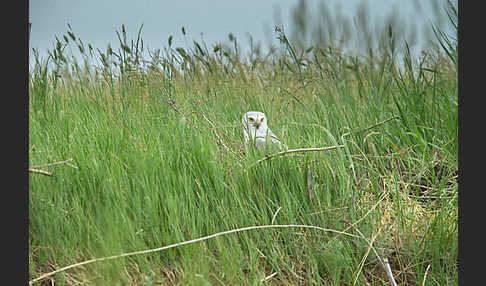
point(43, 276)
point(268, 277)
point(40, 172)
point(267, 157)
point(389, 272)
point(425, 275)
point(56, 163)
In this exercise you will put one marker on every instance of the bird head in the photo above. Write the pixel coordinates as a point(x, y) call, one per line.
point(254, 119)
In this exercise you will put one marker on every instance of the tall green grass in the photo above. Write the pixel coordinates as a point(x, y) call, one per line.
point(158, 158)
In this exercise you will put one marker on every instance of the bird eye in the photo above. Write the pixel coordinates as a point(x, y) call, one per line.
point(251, 119)
point(262, 119)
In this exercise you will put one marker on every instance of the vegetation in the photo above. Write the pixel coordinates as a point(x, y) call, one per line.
point(158, 158)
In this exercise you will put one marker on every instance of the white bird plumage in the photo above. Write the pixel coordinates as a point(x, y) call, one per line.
point(256, 131)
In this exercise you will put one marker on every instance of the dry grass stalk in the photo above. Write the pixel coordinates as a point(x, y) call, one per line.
point(119, 124)
point(219, 141)
point(361, 264)
point(379, 123)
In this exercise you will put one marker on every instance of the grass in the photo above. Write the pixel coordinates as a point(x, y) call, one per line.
point(158, 148)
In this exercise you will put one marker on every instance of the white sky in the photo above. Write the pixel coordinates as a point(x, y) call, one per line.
point(96, 22)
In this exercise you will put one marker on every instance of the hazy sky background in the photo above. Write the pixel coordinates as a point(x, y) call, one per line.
point(96, 22)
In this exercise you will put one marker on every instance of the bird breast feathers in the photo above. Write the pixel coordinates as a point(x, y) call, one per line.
point(255, 127)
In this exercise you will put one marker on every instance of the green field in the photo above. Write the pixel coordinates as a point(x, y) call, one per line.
point(156, 157)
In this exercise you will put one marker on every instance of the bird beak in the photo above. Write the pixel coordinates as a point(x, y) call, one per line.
point(258, 123)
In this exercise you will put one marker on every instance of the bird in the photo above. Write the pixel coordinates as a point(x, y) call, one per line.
point(257, 132)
